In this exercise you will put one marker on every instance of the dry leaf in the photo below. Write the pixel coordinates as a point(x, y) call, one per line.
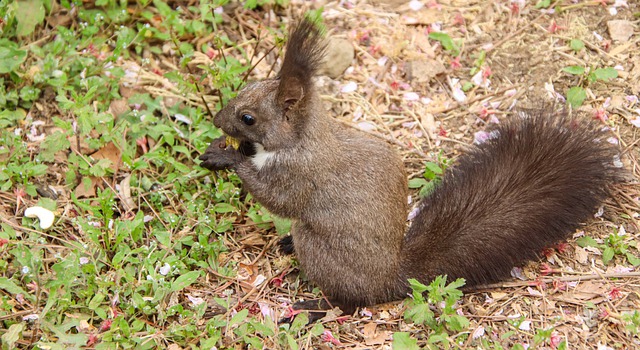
point(110, 152)
point(371, 337)
point(119, 107)
point(253, 239)
point(84, 146)
point(498, 295)
point(125, 193)
point(581, 255)
point(88, 191)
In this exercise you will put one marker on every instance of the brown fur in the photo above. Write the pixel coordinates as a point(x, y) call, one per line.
point(501, 204)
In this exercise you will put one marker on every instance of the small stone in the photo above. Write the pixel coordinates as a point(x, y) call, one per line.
point(422, 71)
point(620, 30)
point(338, 58)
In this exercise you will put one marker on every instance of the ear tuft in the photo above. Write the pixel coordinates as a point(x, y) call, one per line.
point(305, 50)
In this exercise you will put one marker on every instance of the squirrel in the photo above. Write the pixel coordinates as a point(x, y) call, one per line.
point(527, 187)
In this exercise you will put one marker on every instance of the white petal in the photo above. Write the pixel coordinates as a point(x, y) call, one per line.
point(459, 95)
point(415, 5)
point(525, 325)
point(183, 118)
point(164, 270)
point(411, 96)
point(349, 87)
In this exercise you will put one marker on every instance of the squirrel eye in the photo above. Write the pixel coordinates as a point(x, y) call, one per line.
point(248, 119)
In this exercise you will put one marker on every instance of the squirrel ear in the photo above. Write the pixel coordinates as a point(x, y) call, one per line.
point(290, 92)
point(305, 50)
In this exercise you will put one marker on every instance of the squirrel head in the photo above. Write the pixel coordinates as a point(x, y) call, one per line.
point(274, 112)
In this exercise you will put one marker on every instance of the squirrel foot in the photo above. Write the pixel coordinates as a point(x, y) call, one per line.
point(285, 245)
point(219, 157)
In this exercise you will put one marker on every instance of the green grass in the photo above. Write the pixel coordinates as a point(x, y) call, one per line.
point(103, 103)
point(117, 266)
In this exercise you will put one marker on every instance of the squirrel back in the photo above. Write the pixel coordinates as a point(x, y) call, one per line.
point(526, 188)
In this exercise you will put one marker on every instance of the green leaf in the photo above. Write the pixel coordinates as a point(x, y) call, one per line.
point(575, 70)
point(434, 168)
point(291, 342)
point(418, 182)
point(239, 317)
point(576, 96)
point(10, 57)
point(607, 255)
point(283, 226)
point(402, 341)
point(14, 289)
point(299, 322)
point(164, 238)
point(603, 74)
point(224, 208)
point(185, 280)
point(419, 313)
point(454, 286)
point(29, 14)
point(458, 323)
point(416, 286)
point(96, 301)
point(587, 241)
point(576, 45)
point(12, 335)
point(633, 260)
point(317, 329)
point(543, 4)
point(446, 41)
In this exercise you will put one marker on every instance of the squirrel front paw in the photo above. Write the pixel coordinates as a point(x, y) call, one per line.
point(219, 157)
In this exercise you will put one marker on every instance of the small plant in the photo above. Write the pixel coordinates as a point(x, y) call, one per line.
point(442, 297)
point(543, 4)
point(615, 244)
point(450, 45)
point(577, 94)
point(576, 45)
point(632, 321)
point(431, 177)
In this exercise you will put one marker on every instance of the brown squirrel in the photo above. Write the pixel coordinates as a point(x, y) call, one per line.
point(503, 202)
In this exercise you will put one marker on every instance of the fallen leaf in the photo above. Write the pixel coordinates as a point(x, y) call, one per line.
point(87, 187)
point(371, 337)
point(125, 194)
point(110, 152)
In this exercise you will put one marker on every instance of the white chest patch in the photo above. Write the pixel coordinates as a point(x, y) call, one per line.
point(261, 156)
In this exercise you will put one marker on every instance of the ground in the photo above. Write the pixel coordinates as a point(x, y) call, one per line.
point(104, 111)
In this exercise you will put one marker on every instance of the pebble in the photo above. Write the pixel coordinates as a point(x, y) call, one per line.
point(620, 30)
point(338, 57)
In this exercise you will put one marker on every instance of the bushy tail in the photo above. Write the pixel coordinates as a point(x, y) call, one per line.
point(505, 200)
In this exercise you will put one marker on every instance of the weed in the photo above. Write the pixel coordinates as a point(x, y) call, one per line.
point(443, 297)
point(617, 243)
point(577, 94)
point(431, 176)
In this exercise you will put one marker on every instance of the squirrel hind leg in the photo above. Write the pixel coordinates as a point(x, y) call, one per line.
point(285, 245)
